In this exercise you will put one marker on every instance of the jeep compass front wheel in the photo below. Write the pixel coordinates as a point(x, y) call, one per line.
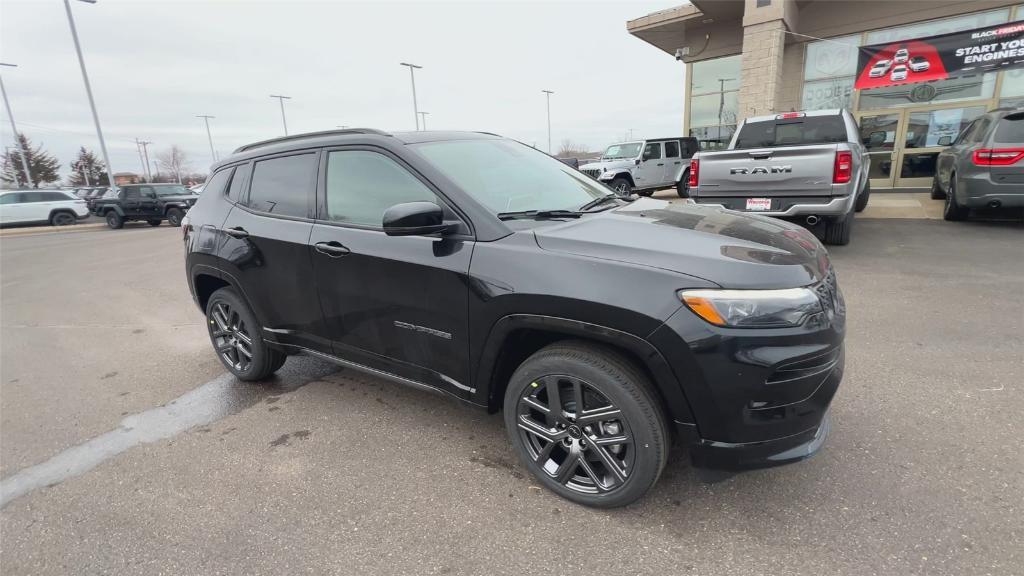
point(237, 339)
point(584, 421)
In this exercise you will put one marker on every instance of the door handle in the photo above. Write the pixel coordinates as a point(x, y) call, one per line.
point(677, 162)
point(237, 232)
point(332, 249)
point(661, 163)
point(759, 155)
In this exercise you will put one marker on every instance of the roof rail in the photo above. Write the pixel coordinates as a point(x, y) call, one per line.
point(309, 135)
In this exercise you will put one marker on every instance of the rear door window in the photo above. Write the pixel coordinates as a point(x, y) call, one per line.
point(671, 149)
point(1010, 130)
point(283, 185)
point(792, 132)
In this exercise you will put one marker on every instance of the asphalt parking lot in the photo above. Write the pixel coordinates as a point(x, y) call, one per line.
point(124, 449)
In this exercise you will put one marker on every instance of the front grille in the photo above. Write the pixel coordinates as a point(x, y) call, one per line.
point(592, 173)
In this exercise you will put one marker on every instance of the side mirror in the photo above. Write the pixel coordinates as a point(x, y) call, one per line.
point(414, 219)
point(945, 141)
point(637, 161)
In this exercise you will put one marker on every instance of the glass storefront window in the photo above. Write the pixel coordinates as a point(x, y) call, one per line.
point(714, 109)
point(921, 165)
point(928, 129)
point(713, 137)
point(715, 75)
point(826, 94)
point(1013, 83)
point(922, 29)
point(952, 90)
point(837, 57)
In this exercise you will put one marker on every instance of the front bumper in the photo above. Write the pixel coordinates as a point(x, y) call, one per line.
point(783, 206)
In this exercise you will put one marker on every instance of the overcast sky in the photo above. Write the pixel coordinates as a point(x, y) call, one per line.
point(155, 65)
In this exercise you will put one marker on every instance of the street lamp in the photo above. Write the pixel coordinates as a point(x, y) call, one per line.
point(423, 115)
point(548, 94)
point(206, 118)
point(412, 75)
point(88, 91)
point(281, 100)
point(10, 116)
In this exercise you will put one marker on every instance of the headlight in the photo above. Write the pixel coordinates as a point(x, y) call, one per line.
point(606, 176)
point(753, 308)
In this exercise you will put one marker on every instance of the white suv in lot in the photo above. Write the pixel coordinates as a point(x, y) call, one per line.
point(55, 207)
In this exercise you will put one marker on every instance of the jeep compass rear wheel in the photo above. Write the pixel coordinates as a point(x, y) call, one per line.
point(236, 337)
point(584, 421)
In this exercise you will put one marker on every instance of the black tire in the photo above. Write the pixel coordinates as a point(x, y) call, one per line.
point(683, 186)
point(237, 337)
point(862, 200)
point(63, 218)
point(937, 193)
point(953, 211)
point(610, 382)
point(154, 222)
point(174, 216)
point(622, 186)
point(837, 232)
point(114, 220)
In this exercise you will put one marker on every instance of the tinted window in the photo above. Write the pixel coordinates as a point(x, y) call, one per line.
point(652, 151)
point(963, 135)
point(237, 181)
point(10, 198)
point(1010, 130)
point(362, 185)
point(672, 149)
point(690, 147)
point(792, 132)
point(980, 129)
point(132, 193)
point(33, 197)
point(54, 197)
point(283, 185)
point(218, 182)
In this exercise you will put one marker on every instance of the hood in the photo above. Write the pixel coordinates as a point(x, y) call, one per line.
point(731, 249)
point(608, 165)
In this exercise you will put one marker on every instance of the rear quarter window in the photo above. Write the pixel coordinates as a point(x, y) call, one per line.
point(283, 185)
point(792, 132)
point(1010, 130)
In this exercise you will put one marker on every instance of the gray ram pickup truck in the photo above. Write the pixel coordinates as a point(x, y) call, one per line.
point(806, 166)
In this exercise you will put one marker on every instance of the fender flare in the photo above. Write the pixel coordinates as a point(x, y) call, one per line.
point(102, 209)
point(615, 174)
point(179, 206)
point(665, 381)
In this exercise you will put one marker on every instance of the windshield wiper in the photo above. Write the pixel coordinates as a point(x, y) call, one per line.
point(600, 200)
point(539, 214)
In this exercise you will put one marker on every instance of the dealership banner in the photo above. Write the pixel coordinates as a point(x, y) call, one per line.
point(995, 47)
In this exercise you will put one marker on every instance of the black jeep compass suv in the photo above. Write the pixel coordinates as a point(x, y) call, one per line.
point(603, 328)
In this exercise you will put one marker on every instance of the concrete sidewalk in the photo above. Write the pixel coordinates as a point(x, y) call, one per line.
point(916, 205)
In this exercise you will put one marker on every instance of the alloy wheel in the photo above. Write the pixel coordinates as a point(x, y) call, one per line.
point(63, 219)
point(575, 435)
point(230, 336)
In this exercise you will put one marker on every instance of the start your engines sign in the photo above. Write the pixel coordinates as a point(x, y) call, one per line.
point(995, 47)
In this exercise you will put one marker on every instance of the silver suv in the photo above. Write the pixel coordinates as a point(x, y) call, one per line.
point(643, 166)
point(984, 166)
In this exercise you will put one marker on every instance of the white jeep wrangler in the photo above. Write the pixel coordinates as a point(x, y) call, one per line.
point(643, 166)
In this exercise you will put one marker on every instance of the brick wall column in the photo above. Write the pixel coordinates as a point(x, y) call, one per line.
point(761, 69)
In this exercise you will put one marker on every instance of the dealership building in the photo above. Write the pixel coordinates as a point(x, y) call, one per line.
point(754, 57)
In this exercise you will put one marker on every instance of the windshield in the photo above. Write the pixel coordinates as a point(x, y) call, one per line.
point(622, 151)
point(507, 176)
point(175, 190)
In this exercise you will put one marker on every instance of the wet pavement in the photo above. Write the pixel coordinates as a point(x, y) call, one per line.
point(124, 449)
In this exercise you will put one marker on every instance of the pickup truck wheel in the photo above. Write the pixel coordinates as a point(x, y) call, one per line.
point(586, 423)
point(237, 337)
point(953, 211)
point(62, 219)
point(174, 217)
point(683, 186)
point(837, 232)
point(622, 186)
point(114, 220)
point(154, 222)
point(862, 199)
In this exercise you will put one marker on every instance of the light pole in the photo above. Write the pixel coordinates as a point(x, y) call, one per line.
point(423, 115)
point(206, 119)
point(281, 100)
point(721, 104)
point(548, 94)
point(138, 148)
point(88, 91)
point(412, 76)
point(145, 152)
point(10, 116)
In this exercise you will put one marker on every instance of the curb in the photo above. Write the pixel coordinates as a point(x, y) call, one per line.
point(32, 230)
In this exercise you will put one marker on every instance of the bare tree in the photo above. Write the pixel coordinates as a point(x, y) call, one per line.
point(570, 149)
point(175, 160)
